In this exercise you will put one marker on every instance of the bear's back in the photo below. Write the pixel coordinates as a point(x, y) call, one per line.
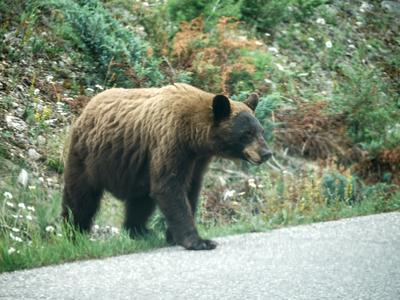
point(119, 129)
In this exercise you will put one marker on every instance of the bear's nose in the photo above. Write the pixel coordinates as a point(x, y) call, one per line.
point(265, 155)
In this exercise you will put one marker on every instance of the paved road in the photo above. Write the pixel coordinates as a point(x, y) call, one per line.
point(355, 258)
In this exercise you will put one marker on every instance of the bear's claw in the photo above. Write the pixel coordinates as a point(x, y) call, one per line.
point(201, 244)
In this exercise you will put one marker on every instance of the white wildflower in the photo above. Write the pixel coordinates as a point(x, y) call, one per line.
point(267, 34)
point(99, 87)
point(258, 43)
point(49, 228)
point(36, 92)
point(60, 107)
point(365, 7)
point(31, 187)
point(328, 44)
point(241, 193)
point(260, 186)
point(31, 208)
point(10, 204)
point(15, 229)
point(114, 230)
point(59, 234)
point(146, 4)
point(140, 29)
point(8, 195)
point(252, 183)
point(15, 238)
point(29, 217)
point(222, 181)
point(268, 81)
point(229, 194)
point(302, 75)
point(280, 67)
point(11, 250)
point(90, 89)
point(50, 122)
point(21, 205)
point(321, 21)
point(49, 78)
point(273, 50)
point(96, 227)
point(311, 39)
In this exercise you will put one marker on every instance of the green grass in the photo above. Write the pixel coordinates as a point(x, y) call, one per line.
point(43, 241)
point(55, 249)
point(31, 234)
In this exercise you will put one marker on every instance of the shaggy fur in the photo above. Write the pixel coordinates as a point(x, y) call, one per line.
point(152, 146)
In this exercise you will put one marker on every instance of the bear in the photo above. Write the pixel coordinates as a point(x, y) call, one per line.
point(151, 147)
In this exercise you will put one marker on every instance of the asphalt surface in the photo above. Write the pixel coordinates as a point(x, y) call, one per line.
point(356, 258)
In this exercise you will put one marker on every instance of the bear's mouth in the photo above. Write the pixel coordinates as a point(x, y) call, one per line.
point(251, 160)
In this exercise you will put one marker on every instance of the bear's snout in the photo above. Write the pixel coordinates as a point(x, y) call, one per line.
point(265, 154)
point(257, 151)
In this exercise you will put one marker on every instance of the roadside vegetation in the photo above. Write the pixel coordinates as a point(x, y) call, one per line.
point(327, 72)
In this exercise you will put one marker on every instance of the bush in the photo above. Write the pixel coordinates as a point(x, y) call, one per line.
point(187, 10)
point(369, 105)
point(265, 15)
point(267, 105)
point(338, 187)
point(121, 57)
point(222, 60)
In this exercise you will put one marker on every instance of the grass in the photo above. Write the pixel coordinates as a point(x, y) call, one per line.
point(31, 234)
point(56, 249)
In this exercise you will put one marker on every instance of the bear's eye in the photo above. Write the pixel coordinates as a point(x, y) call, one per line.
point(248, 133)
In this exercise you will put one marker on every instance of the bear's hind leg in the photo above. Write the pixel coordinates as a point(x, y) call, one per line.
point(138, 211)
point(80, 206)
point(81, 200)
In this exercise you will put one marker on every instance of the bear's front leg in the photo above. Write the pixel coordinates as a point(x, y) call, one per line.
point(181, 228)
point(170, 193)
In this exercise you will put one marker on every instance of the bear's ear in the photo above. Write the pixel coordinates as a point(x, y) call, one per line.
point(221, 107)
point(252, 101)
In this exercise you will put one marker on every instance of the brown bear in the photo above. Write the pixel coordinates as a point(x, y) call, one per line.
point(151, 147)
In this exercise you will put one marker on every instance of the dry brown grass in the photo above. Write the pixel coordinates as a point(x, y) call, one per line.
point(212, 57)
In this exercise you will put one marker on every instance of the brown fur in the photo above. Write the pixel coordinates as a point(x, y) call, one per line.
point(147, 147)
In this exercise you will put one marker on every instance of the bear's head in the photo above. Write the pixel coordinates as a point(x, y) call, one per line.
point(236, 132)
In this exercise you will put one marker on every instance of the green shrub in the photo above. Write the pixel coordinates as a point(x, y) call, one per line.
point(187, 10)
point(265, 15)
point(338, 187)
point(120, 56)
point(55, 164)
point(370, 107)
point(264, 110)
